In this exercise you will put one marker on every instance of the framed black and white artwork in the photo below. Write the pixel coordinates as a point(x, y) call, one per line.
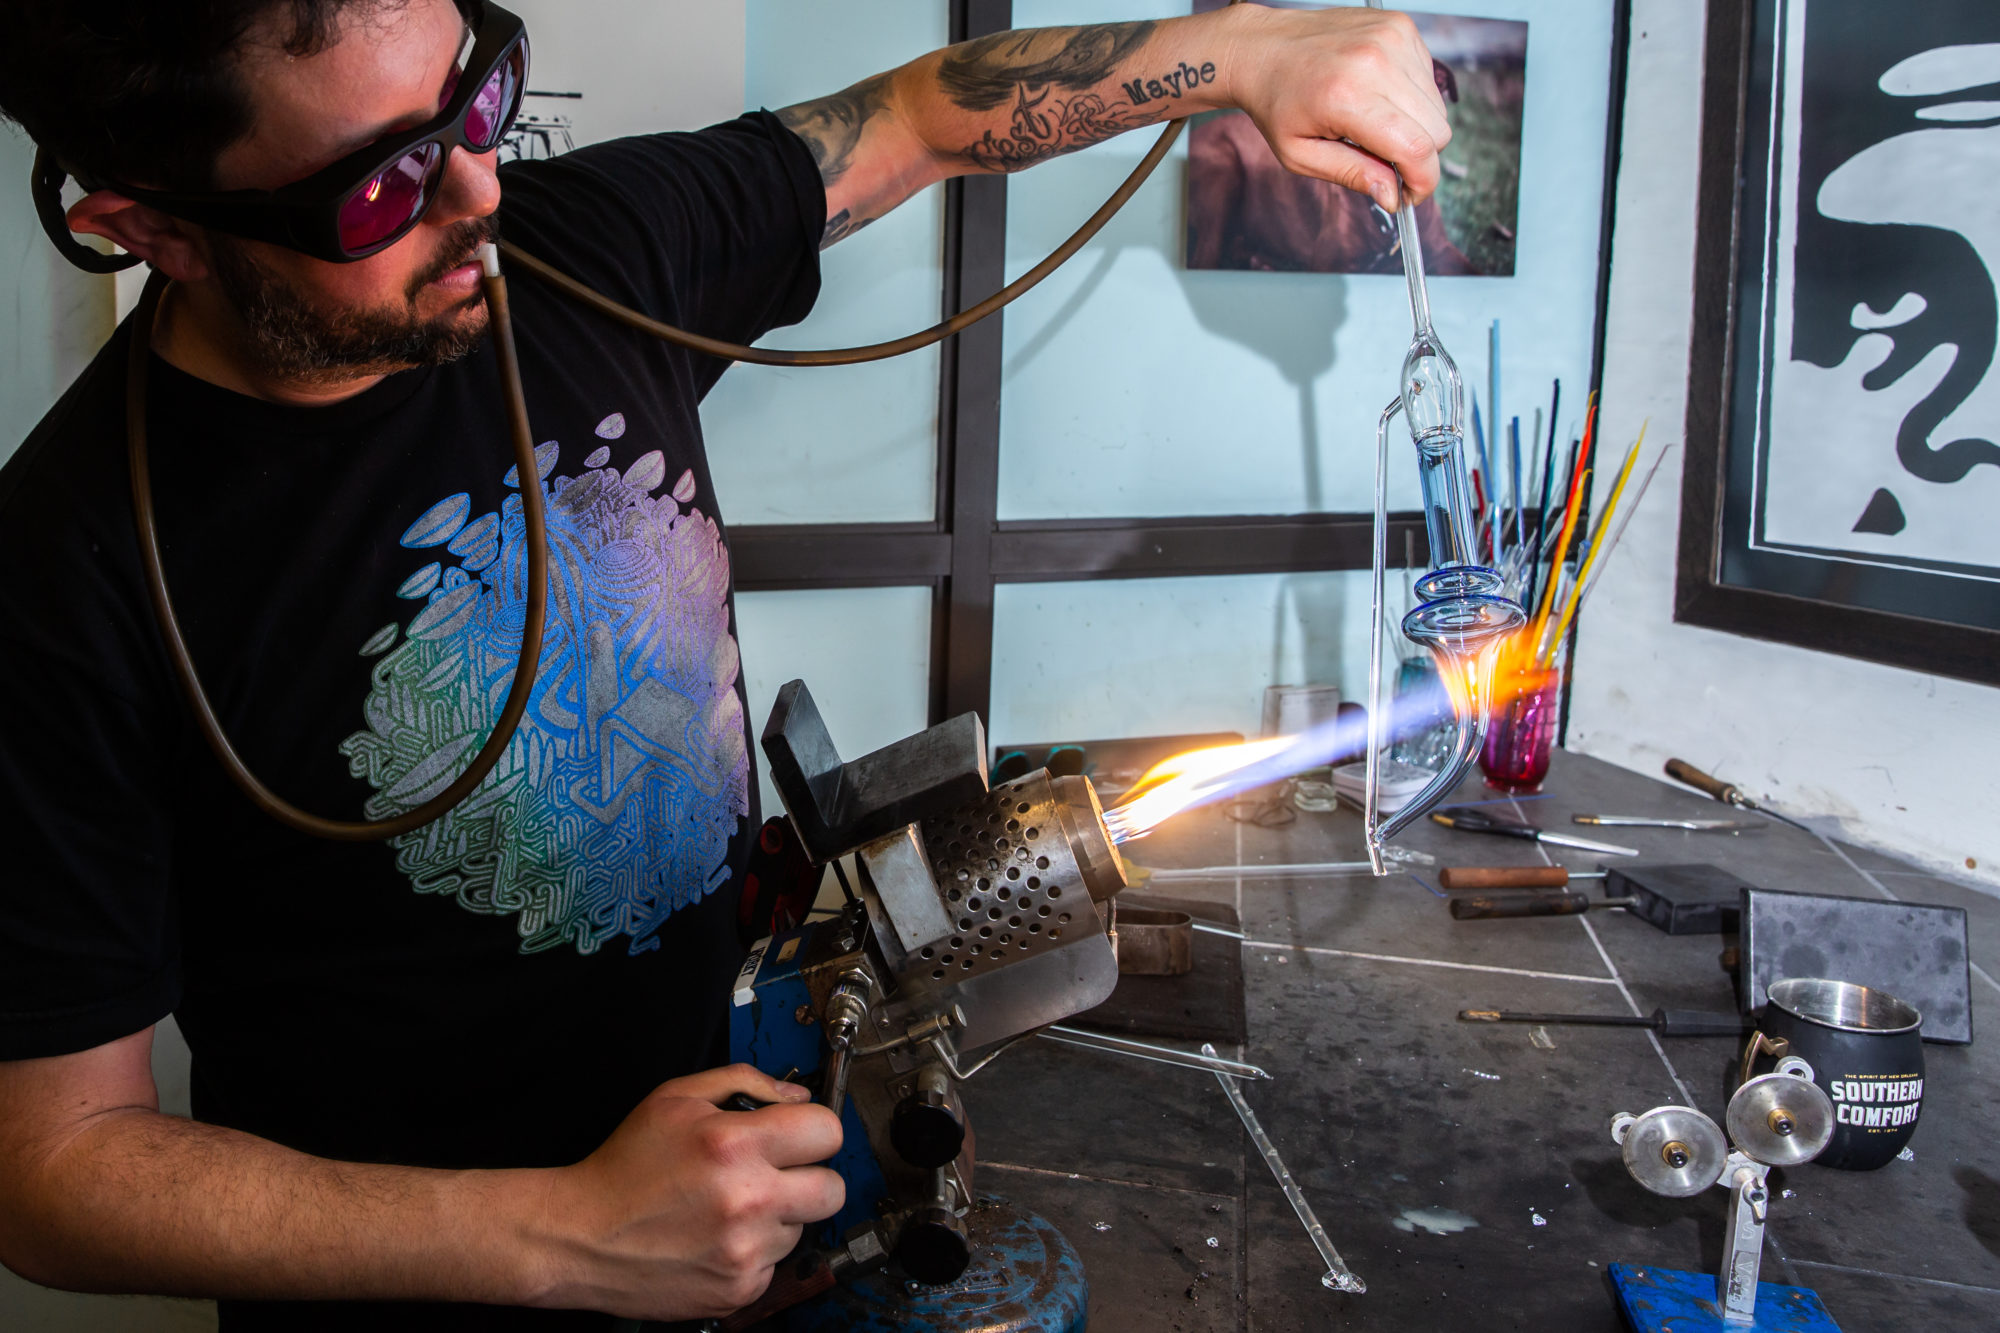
point(1843, 475)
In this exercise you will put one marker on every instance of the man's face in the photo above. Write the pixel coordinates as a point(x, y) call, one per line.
point(417, 302)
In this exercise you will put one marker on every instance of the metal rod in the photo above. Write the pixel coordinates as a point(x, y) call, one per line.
point(1224, 931)
point(1208, 1061)
point(1371, 792)
point(1338, 1276)
point(1262, 872)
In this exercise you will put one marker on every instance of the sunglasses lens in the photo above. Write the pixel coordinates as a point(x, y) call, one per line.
point(492, 110)
point(391, 203)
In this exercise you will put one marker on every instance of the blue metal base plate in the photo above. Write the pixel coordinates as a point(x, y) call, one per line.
point(1665, 1300)
point(1025, 1277)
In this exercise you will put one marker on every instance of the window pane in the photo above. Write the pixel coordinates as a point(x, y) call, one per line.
point(1135, 386)
point(863, 652)
point(850, 443)
point(1156, 657)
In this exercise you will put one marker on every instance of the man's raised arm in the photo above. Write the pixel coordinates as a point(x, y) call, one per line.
point(1339, 93)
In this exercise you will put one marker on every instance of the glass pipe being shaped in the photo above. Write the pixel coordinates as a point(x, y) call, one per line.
point(1460, 617)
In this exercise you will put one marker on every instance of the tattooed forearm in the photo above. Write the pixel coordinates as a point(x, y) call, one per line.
point(1045, 127)
point(1000, 103)
point(1045, 123)
point(831, 126)
point(982, 74)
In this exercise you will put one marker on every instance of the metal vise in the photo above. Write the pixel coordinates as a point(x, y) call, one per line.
point(979, 916)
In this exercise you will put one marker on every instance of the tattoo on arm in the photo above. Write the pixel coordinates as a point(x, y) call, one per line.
point(1032, 95)
point(981, 74)
point(831, 126)
point(1066, 87)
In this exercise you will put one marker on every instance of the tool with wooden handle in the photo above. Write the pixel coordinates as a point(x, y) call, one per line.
point(1679, 899)
point(1511, 877)
point(1531, 904)
point(1680, 770)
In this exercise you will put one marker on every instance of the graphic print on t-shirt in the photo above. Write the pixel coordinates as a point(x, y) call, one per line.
point(616, 801)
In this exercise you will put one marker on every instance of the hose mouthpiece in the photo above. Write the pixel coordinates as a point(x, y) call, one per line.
point(489, 259)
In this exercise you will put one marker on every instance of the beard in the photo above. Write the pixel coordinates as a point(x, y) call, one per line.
point(289, 336)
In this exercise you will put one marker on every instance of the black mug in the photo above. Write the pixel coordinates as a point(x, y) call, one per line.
point(1867, 1056)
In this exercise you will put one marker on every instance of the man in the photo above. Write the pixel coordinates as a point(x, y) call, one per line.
point(471, 1067)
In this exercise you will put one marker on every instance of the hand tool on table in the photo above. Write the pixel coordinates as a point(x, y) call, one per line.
point(1680, 770)
point(1505, 905)
point(1666, 1022)
point(1512, 877)
point(1692, 899)
point(1650, 821)
point(1469, 819)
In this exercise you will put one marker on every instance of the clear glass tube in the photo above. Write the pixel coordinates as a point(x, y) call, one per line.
point(1461, 616)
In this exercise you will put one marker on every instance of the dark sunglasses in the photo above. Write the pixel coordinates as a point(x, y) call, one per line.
point(373, 197)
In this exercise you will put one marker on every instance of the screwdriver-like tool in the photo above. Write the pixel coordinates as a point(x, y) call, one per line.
point(1469, 819)
point(1680, 770)
point(1482, 908)
point(1666, 1022)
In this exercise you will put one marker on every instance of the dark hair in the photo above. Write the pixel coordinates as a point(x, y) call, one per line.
point(145, 92)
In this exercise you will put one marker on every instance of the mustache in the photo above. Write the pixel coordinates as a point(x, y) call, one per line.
point(459, 246)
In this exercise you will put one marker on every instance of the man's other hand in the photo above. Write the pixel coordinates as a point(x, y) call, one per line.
point(1325, 84)
point(686, 1208)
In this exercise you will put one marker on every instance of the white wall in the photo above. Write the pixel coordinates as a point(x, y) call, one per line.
point(1901, 757)
point(53, 317)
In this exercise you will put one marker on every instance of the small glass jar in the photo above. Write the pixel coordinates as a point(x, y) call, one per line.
point(1520, 736)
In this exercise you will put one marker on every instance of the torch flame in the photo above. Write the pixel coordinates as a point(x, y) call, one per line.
point(1202, 777)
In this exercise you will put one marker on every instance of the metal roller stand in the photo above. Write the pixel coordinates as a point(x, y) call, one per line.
point(1780, 1119)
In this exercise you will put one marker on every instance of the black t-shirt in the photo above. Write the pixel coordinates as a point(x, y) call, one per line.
point(501, 987)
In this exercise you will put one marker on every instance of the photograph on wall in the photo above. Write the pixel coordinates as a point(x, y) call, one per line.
point(1863, 463)
point(1245, 211)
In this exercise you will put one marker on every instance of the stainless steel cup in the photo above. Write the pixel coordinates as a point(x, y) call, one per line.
point(1867, 1056)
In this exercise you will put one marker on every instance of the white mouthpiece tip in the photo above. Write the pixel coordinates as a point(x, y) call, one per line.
point(489, 259)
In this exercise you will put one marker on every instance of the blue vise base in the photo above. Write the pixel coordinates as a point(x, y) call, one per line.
point(1667, 1300)
point(764, 1030)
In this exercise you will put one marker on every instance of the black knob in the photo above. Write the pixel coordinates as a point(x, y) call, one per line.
point(926, 1133)
point(933, 1248)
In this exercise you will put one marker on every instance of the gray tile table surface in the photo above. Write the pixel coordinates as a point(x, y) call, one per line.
point(1466, 1171)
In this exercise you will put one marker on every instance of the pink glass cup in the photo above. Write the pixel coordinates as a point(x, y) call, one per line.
point(1520, 736)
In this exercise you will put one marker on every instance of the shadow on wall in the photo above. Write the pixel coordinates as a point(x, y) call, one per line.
point(1316, 607)
point(1290, 321)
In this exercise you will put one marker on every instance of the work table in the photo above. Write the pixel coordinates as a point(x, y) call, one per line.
point(1466, 1173)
